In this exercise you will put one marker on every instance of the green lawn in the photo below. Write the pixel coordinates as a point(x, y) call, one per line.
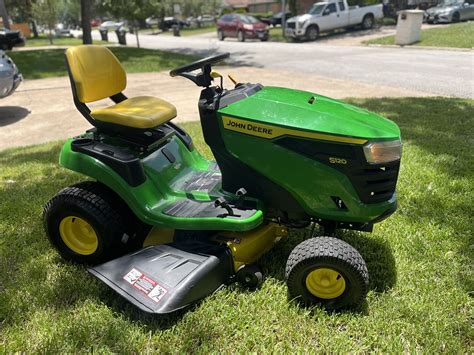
point(42, 40)
point(459, 35)
point(419, 260)
point(50, 62)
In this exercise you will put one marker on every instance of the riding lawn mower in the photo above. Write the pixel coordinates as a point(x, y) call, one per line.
point(164, 227)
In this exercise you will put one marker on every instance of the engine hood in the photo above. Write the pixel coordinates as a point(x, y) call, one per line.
point(309, 112)
point(439, 9)
point(300, 18)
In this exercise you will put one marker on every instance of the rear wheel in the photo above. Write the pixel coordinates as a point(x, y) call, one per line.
point(88, 223)
point(368, 22)
point(220, 35)
point(456, 17)
point(312, 33)
point(328, 272)
point(241, 36)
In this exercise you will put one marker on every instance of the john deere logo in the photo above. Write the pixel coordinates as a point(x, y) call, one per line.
point(240, 126)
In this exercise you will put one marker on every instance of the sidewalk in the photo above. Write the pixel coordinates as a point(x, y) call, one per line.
point(42, 110)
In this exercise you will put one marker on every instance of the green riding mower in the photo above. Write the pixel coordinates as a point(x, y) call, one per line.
point(164, 227)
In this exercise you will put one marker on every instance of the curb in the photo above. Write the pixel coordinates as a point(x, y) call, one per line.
point(421, 47)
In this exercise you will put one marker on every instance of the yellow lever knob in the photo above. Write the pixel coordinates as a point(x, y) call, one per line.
point(215, 74)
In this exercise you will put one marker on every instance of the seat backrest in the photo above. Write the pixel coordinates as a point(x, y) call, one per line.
point(95, 72)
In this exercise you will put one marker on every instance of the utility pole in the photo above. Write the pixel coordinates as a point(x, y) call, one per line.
point(4, 14)
point(283, 17)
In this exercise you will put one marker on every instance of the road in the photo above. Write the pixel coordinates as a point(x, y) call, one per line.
point(433, 71)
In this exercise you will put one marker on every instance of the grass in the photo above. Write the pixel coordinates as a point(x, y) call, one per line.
point(459, 35)
point(48, 63)
point(420, 264)
point(43, 40)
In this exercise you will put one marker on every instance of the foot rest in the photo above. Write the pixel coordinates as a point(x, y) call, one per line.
point(199, 209)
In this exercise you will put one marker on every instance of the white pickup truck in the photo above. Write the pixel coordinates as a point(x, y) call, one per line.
point(330, 15)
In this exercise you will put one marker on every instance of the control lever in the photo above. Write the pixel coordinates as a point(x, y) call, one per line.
point(241, 196)
point(220, 202)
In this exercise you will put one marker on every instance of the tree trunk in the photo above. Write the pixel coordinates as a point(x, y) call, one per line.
point(34, 29)
point(292, 5)
point(4, 14)
point(86, 21)
point(136, 35)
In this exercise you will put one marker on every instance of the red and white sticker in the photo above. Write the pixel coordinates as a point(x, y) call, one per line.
point(148, 286)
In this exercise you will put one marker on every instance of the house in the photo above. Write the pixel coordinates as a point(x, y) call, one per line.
point(302, 6)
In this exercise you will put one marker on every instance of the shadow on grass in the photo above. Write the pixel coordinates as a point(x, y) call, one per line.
point(440, 126)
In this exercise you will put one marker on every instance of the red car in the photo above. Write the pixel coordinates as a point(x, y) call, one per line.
point(241, 26)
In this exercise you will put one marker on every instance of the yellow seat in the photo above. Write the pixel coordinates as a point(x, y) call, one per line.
point(137, 112)
point(97, 74)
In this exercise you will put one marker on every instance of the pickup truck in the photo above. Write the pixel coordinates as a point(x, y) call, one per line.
point(330, 15)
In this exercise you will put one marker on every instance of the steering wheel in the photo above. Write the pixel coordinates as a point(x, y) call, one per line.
point(199, 64)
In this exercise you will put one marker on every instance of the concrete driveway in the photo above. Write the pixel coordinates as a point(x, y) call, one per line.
point(438, 72)
point(42, 110)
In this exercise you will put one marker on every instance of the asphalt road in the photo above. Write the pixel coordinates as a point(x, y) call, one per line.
point(439, 72)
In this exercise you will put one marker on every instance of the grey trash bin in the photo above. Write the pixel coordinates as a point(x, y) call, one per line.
point(121, 35)
point(176, 31)
point(104, 34)
point(408, 26)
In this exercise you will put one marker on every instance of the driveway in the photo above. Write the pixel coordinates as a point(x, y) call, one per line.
point(438, 72)
point(42, 110)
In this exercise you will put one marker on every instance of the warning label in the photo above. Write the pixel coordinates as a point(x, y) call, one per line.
point(148, 286)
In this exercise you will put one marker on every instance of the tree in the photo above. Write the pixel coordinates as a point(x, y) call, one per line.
point(4, 14)
point(22, 11)
point(46, 12)
point(134, 11)
point(86, 21)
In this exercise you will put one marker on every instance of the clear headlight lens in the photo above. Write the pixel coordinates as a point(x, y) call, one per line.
point(248, 26)
point(383, 152)
point(302, 23)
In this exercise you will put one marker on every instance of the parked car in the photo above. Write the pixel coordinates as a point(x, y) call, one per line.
point(169, 22)
point(275, 20)
point(331, 15)
point(111, 25)
point(241, 26)
point(10, 78)
point(451, 11)
point(205, 20)
point(10, 39)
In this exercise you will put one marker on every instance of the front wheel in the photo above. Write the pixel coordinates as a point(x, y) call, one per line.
point(456, 17)
point(220, 35)
point(326, 271)
point(241, 36)
point(312, 33)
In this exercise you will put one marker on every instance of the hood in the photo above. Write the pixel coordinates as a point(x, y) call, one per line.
point(292, 109)
point(300, 18)
point(437, 9)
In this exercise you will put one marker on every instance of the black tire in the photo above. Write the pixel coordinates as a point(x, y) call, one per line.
point(368, 22)
point(117, 229)
point(322, 253)
point(241, 36)
point(250, 276)
point(220, 35)
point(312, 33)
point(264, 39)
point(456, 17)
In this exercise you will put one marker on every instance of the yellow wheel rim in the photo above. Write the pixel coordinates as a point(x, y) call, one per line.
point(78, 235)
point(325, 283)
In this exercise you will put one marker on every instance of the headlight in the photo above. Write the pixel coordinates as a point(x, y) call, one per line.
point(248, 26)
point(301, 24)
point(383, 152)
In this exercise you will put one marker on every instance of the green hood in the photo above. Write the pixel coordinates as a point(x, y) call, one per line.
point(292, 109)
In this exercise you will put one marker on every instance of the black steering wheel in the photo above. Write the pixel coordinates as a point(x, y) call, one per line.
point(199, 64)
